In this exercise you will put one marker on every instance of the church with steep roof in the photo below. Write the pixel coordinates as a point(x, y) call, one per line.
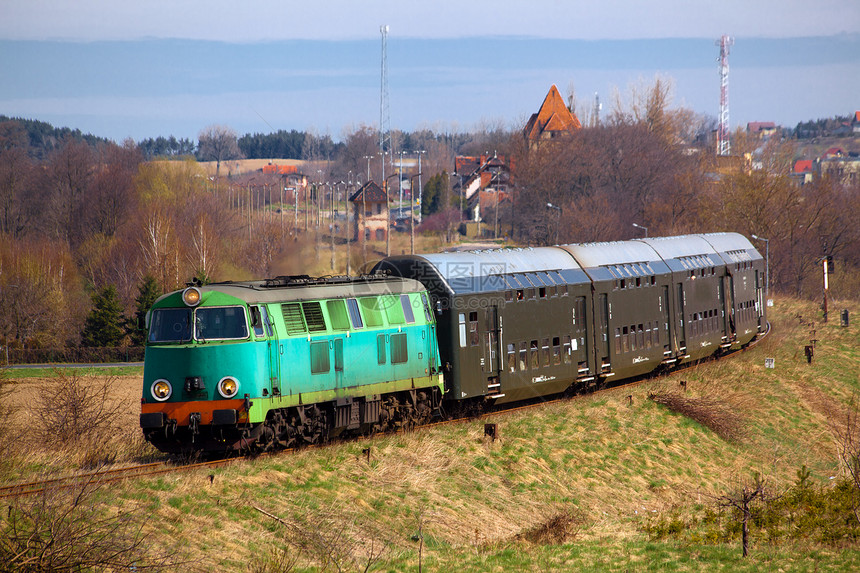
point(552, 121)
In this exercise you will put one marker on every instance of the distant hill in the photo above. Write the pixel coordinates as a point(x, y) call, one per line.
point(44, 137)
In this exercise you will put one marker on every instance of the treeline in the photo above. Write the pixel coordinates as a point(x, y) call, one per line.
point(88, 230)
point(832, 126)
point(43, 138)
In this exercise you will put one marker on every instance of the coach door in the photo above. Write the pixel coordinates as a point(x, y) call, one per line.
point(666, 327)
point(682, 313)
point(491, 342)
point(602, 342)
point(728, 288)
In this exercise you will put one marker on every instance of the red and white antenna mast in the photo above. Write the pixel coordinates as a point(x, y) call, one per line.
point(723, 146)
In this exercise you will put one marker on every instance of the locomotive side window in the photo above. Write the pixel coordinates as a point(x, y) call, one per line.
point(370, 310)
point(256, 321)
point(393, 309)
point(354, 315)
point(220, 323)
point(170, 325)
point(337, 314)
point(407, 308)
point(426, 305)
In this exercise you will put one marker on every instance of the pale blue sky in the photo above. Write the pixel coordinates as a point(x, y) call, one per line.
point(143, 69)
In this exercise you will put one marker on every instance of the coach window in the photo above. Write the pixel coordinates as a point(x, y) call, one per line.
point(565, 349)
point(641, 332)
point(520, 294)
point(632, 338)
point(474, 339)
point(530, 293)
point(648, 335)
point(623, 284)
point(556, 350)
point(462, 323)
point(617, 340)
point(625, 340)
point(509, 296)
point(512, 357)
point(533, 351)
point(523, 356)
point(542, 292)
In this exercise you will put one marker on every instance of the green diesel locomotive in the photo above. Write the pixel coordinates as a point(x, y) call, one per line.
point(292, 360)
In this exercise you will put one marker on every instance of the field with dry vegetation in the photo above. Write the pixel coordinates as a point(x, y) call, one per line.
point(642, 477)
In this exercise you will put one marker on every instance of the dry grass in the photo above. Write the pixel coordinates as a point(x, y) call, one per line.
point(713, 412)
point(582, 473)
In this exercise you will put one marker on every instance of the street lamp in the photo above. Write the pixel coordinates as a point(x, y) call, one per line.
point(643, 228)
point(766, 266)
point(558, 219)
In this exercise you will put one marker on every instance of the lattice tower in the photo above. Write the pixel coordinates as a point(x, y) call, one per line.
point(723, 145)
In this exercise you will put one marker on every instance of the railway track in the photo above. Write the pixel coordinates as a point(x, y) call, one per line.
point(161, 468)
point(102, 477)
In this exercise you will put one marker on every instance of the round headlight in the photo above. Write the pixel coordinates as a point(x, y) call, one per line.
point(191, 296)
point(161, 390)
point(228, 387)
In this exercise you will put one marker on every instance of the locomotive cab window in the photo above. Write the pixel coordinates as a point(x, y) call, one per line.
point(170, 325)
point(260, 321)
point(220, 323)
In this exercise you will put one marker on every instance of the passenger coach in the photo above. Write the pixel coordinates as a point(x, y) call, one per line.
point(519, 323)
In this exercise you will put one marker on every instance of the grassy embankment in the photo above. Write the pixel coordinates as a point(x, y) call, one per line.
point(570, 485)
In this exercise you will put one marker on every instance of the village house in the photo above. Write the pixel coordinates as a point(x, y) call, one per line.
point(370, 212)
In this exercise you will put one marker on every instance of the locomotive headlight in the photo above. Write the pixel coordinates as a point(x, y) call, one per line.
point(161, 390)
point(228, 387)
point(191, 296)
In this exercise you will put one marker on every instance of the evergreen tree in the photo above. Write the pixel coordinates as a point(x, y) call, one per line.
point(434, 191)
point(104, 325)
point(148, 293)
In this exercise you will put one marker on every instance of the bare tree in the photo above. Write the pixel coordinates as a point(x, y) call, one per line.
point(741, 500)
point(218, 143)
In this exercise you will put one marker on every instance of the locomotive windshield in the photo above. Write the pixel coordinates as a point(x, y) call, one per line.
point(210, 323)
point(170, 325)
point(220, 323)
